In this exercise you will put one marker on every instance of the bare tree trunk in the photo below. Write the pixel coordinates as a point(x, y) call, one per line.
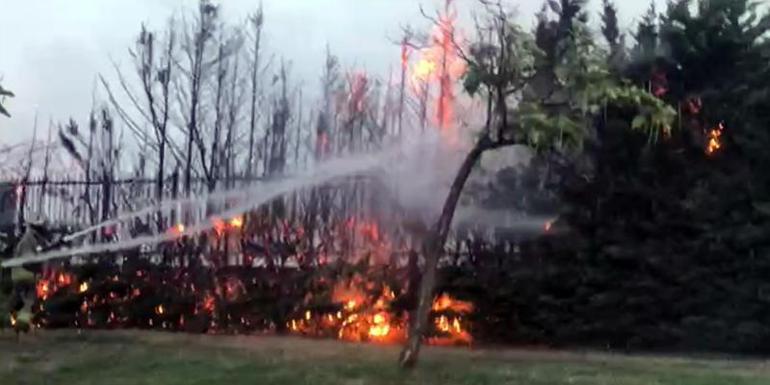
point(402, 90)
point(257, 20)
point(89, 158)
point(424, 105)
point(196, 79)
point(27, 174)
point(213, 168)
point(298, 139)
point(161, 129)
point(277, 158)
point(107, 166)
point(445, 83)
point(233, 110)
point(433, 249)
point(46, 163)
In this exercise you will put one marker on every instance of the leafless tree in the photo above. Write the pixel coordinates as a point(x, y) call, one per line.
point(195, 46)
point(154, 60)
point(257, 21)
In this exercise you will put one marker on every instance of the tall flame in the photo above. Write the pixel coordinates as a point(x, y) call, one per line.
point(441, 63)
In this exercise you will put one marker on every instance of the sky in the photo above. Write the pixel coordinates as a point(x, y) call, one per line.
point(51, 51)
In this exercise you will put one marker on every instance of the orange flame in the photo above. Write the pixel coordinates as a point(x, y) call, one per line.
point(236, 222)
point(64, 279)
point(370, 318)
point(404, 53)
point(444, 302)
point(209, 303)
point(177, 229)
point(441, 63)
point(714, 143)
point(219, 226)
point(450, 325)
point(42, 288)
point(51, 283)
point(423, 71)
point(380, 327)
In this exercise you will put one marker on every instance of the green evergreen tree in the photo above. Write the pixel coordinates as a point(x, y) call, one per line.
point(672, 235)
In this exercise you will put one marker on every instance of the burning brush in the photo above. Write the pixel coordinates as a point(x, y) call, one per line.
point(361, 317)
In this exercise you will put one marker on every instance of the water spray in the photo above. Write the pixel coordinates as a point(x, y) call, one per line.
point(328, 171)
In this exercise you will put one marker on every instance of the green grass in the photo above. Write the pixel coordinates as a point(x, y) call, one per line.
point(117, 358)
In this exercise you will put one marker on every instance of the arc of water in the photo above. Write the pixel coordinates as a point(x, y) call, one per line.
point(219, 196)
point(331, 170)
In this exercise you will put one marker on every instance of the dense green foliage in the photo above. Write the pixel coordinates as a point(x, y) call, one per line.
point(666, 245)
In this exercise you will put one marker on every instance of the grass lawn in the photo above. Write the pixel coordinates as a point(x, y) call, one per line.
point(131, 357)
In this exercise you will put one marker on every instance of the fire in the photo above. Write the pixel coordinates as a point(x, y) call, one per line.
point(358, 86)
point(236, 222)
point(361, 307)
point(366, 316)
point(449, 322)
point(51, 283)
point(440, 62)
point(404, 53)
point(370, 230)
point(219, 226)
point(13, 319)
point(380, 327)
point(714, 143)
point(178, 229)
point(64, 279)
point(423, 71)
point(444, 302)
point(42, 288)
point(209, 303)
point(362, 317)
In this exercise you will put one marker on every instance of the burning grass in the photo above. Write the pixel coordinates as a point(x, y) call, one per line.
point(121, 357)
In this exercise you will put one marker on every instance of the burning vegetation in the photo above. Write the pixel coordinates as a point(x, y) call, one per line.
point(359, 314)
point(358, 298)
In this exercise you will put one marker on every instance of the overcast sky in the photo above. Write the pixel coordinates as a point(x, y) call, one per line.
point(52, 50)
